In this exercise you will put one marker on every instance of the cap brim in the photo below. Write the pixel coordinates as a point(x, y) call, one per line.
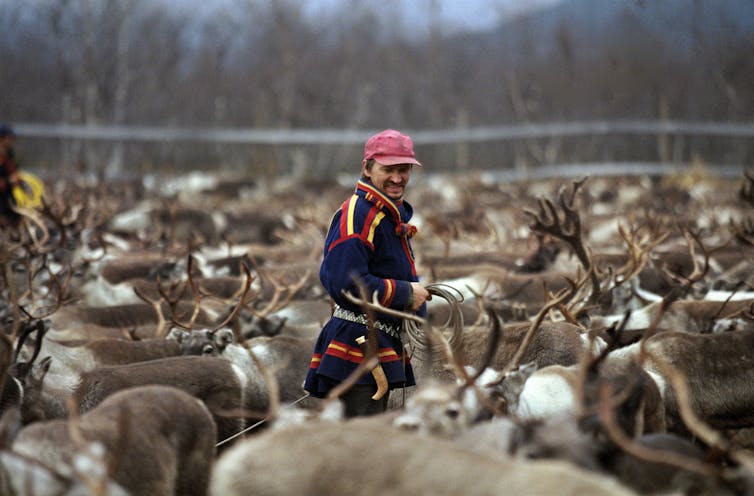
point(395, 160)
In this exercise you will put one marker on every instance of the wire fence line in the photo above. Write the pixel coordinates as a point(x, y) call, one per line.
point(353, 136)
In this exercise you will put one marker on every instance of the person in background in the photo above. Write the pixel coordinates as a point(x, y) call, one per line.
point(369, 243)
point(9, 177)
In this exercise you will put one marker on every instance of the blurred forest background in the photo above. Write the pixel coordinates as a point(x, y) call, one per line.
point(361, 66)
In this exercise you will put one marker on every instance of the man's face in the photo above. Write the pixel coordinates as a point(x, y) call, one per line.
point(391, 179)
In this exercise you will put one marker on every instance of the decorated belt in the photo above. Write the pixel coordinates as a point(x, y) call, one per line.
point(360, 318)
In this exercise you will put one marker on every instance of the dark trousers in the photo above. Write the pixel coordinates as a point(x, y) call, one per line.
point(8, 217)
point(358, 401)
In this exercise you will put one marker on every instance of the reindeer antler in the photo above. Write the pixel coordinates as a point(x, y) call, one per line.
point(746, 192)
point(742, 230)
point(638, 251)
point(276, 303)
point(375, 306)
point(241, 301)
point(684, 283)
point(563, 296)
point(156, 304)
point(548, 221)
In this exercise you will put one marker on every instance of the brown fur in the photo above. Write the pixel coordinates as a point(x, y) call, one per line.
point(210, 379)
point(161, 440)
point(368, 458)
point(719, 369)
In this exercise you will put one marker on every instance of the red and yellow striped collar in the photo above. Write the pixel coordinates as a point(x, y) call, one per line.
point(379, 199)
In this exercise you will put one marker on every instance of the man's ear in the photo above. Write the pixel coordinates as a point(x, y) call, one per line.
point(364, 170)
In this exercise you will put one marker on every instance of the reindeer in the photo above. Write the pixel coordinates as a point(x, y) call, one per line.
point(26, 476)
point(61, 363)
point(156, 440)
point(696, 316)
point(223, 387)
point(287, 357)
point(718, 368)
point(375, 455)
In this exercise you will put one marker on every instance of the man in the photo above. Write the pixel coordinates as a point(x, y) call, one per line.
point(8, 177)
point(369, 243)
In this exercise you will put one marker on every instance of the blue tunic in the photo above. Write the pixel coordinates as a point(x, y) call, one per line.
point(368, 241)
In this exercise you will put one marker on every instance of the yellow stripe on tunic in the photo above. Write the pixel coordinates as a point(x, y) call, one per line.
point(351, 208)
point(375, 223)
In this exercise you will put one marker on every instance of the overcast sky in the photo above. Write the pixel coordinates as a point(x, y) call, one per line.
point(472, 14)
point(453, 14)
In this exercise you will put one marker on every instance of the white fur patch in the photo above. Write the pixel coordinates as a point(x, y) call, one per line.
point(717, 295)
point(100, 293)
point(545, 395)
point(629, 352)
point(243, 377)
point(640, 319)
point(598, 344)
point(662, 384)
point(262, 352)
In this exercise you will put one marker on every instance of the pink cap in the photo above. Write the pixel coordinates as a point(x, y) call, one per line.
point(390, 147)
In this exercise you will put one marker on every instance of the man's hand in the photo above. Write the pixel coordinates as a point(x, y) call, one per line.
point(421, 295)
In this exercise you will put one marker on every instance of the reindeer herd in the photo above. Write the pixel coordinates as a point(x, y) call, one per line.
point(591, 336)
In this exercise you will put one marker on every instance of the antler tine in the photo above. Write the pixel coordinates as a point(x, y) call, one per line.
point(638, 251)
point(746, 192)
point(547, 221)
point(697, 273)
point(572, 220)
point(496, 332)
point(158, 310)
point(564, 295)
point(627, 444)
point(63, 289)
point(272, 304)
point(742, 230)
point(275, 303)
point(443, 345)
point(61, 296)
point(59, 301)
point(172, 302)
point(241, 300)
point(194, 290)
point(32, 215)
point(481, 301)
point(376, 306)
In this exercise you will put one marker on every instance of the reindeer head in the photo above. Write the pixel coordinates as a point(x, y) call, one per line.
point(512, 384)
point(439, 410)
point(197, 341)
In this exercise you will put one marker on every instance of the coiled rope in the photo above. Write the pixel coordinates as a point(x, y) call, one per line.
point(418, 339)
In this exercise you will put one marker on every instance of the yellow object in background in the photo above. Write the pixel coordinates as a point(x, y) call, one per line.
point(31, 195)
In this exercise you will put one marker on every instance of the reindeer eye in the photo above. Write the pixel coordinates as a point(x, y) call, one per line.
point(452, 413)
point(208, 350)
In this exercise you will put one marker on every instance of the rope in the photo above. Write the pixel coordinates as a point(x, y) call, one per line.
point(454, 298)
point(252, 427)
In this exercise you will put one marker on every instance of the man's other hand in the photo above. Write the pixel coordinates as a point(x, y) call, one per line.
point(421, 295)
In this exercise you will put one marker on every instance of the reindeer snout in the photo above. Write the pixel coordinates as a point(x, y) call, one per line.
point(407, 422)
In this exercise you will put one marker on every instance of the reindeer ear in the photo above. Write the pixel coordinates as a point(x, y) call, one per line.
point(176, 334)
point(527, 369)
point(40, 370)
point(224, 337)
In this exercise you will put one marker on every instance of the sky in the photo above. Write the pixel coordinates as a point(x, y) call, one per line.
point(460, 14)
point(453, 14)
